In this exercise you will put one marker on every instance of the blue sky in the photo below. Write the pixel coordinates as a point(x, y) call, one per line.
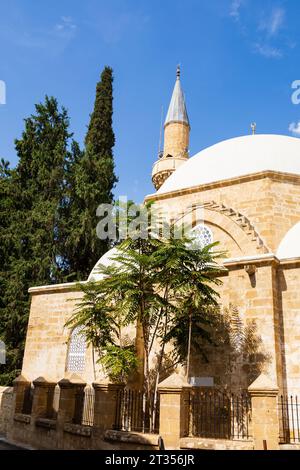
point(238, 58)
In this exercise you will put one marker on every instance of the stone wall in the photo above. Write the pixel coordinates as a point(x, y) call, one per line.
point(47, 336)
point(61, 431)
point(6, 405)
point(176, 139)
point(76, 437)
point(247, 302)
point(37, 430)
point(270, 297)
point(255, 297)
point(290, 300)
point(269, 200)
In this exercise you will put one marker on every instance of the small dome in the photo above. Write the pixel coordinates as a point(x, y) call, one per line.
point(105, 260)
point(290, 244)
point(237, 157)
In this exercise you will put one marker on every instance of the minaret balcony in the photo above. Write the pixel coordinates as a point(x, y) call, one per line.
point(164, 167)
point(167, 163)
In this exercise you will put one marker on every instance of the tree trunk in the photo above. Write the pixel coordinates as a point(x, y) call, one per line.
point(138, 379)
point(189, 346)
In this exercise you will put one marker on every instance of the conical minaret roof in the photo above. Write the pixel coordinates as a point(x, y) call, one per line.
point(177, 110)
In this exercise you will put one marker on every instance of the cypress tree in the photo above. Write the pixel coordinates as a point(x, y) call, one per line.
point(40, 176)
point(34, 192)
point(48, 210)
point(92, 182)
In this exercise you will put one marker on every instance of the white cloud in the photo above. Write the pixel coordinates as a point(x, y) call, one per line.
point(66, 27)
point(263, 36)
point(274, 22)
point(53, 39)
point(294, 127)
point(269, 29)
point(268, 51)
point(235, 8)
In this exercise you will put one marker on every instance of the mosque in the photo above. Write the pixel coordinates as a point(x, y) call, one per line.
point(244, 193)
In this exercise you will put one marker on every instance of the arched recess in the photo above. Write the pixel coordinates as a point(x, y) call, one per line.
point(76, 355)
point(235, 227)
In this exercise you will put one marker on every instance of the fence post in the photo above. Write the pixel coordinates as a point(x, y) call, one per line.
point(265, 422)
point(69, 388)
point(172, 417)
point(105, 404)
point(42, 388)
point(20, 384)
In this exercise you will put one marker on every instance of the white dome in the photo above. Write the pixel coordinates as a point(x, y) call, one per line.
point(105, 260)
point(290, 245)
point(237, 157)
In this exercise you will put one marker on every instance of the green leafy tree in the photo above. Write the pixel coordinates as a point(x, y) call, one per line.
point(92, 180)
point(48, 209)
point(103, 329)
point(7, 253)
point(33, 194)
point(40, 179)
point(162, 286)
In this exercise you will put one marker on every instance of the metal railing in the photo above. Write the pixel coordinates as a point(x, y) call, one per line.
point(133, 413)
point(84, 407)
point(218, 415)
point(289, 419)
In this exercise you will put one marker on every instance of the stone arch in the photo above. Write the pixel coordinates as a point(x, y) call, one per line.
point(76, 352)
point(237, 226)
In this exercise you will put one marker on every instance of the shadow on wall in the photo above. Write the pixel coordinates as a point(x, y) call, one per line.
point(235, 356)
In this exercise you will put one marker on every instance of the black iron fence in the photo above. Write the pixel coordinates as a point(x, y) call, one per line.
point(218, 415)
point(134, 412)
point(84, 407)
point(289, 419)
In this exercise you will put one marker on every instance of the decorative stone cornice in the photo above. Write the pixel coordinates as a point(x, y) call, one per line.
point(159, 178)
point(239, 219)
point(266, 259)
point(290, 263)
point(66, 287)
point(274, 175)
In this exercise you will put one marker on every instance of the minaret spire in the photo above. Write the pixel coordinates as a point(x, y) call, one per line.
point(176, 136)
point(177, 109)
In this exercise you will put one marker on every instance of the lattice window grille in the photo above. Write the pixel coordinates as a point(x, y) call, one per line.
point(202, 236)
point(77, 350)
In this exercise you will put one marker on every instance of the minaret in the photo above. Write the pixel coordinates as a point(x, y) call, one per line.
point(176, 137)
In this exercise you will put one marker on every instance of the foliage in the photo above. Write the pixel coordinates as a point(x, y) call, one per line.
point(91, 181)
point(48, 210)
point(160, 285)
point(32, 194)
point(119, 362)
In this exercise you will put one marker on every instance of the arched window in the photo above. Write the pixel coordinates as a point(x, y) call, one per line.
point(202, 236)
point(76, 351)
